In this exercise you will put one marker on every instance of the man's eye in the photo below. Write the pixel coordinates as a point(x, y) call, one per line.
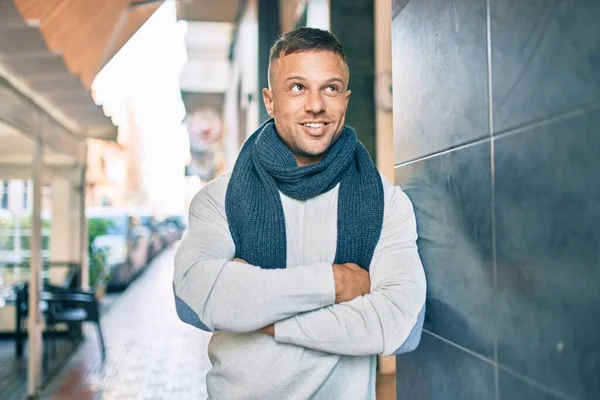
point(331, 89)
point(296, 87)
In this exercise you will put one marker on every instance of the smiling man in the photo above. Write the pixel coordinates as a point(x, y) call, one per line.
point(302, 261)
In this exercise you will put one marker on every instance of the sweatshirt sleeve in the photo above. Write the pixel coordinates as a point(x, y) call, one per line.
point(389, 319)
point(214, 293)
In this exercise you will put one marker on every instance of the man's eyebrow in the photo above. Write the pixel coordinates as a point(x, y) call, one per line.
point(301, 78)
point(336, 79)
point(295, 78)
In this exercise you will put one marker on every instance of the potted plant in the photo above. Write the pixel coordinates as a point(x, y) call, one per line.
point(99, 273)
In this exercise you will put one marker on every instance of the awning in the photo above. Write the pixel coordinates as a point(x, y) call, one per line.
point(86, 33)
point(56, 48)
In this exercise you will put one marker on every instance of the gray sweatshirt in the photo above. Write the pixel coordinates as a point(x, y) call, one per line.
point(321, 350)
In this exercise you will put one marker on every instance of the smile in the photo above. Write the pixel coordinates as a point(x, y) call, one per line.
point(315, 124)
point(315, 129)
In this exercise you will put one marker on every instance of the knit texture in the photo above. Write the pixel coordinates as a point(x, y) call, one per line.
point(266, 166)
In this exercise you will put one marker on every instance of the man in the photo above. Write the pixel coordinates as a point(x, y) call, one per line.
point(303, 261)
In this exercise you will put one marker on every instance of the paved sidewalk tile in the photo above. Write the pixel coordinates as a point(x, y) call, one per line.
point(151, 354)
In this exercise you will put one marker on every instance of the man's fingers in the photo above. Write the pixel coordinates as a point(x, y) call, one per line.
point(240, 260)
point(352, 266)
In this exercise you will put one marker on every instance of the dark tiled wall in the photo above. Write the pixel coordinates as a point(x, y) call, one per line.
point(497, 143)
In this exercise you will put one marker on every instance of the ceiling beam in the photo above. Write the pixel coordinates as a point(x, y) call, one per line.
point(23, 114)
point(25, 172)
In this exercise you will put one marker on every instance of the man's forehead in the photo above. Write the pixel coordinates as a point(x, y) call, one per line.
point(310, 56)
point(302, 63)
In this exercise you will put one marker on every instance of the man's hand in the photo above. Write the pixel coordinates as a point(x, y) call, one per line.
point(240, 260)
point(350, 281)
point(269, 330)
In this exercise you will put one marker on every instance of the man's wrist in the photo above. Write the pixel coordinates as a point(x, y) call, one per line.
point(336, 282)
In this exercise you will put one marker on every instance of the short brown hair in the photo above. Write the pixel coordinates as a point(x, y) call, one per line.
point(303, 40)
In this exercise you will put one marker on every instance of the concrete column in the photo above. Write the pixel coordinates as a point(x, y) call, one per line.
point(287, 14)
point(81, 244)
point(62, 233)
point(383, 114)
point(352, 21)
point(268, 32)
point(383, 66)
point(34, 318)
point(68, 228)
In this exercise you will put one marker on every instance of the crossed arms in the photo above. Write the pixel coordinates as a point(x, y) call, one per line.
point(339, 309)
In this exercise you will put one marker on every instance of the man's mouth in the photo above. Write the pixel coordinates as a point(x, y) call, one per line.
point(315, 128)
point(314, 124)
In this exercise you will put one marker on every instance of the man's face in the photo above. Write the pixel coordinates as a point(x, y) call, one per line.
point(308, 99)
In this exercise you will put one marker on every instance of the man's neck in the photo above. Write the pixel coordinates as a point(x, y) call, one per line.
point(303, 161)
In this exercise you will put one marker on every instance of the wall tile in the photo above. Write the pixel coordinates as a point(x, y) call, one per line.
point(451, 195)
point(545, 58)
point(438, 370)
point(397, 6)
point(439, 76)
point(513, 388)
point(548, 254)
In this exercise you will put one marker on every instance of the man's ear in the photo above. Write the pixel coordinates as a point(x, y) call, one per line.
point(268, 99)
point(347, 95)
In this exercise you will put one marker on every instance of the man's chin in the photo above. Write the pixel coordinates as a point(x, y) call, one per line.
point(312, 153)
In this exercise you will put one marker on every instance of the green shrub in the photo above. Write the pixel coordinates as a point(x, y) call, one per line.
point(97, 227)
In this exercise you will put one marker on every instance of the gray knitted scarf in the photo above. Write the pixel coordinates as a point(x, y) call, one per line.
point(266, 166)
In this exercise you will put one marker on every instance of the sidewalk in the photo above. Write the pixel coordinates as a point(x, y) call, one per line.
point(151, 354)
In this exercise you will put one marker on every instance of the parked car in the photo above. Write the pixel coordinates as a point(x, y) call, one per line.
point(155, 244)
point(125, 240)
point(171, 229)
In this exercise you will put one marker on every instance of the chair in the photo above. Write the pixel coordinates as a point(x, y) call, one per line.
point(63, 305)
point(21, 307)
point(21, 299)
point(74, 307)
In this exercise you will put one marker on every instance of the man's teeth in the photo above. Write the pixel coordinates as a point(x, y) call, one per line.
point(319, 125)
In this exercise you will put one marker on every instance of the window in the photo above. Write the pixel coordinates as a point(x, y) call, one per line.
point(4, 203)
point(25, 194)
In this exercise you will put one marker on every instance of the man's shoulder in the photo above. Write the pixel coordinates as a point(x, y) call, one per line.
point(217, 185)
point(385, 181)
point(396, 201)
point(213, 193)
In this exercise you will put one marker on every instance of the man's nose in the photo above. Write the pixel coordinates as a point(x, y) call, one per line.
point(314, 103)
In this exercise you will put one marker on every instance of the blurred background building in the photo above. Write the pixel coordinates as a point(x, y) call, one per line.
point(227, 59)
